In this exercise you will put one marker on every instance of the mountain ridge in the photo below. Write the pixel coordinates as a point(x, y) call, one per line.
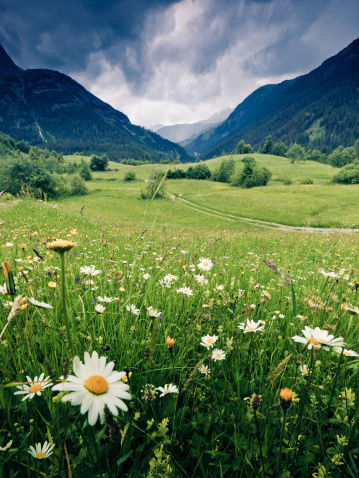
point(328, 94)
point(49, 108)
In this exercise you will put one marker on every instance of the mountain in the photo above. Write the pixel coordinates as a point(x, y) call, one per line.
point(180, 132)
point(50, 109)
point(317, 110)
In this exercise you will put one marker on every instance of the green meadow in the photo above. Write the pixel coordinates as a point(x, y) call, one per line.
point(227, 349)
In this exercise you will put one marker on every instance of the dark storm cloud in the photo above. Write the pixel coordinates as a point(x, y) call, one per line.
point(176, 60)
point(62, 34)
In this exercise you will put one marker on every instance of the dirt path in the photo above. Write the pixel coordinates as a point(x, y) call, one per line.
point(256, 222)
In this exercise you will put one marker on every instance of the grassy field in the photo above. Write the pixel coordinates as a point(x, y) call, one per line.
point(247, 404)
point(321, 204)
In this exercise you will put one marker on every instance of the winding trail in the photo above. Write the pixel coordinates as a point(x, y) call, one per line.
point(256, 222)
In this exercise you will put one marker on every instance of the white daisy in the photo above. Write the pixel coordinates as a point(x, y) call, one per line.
point(205, 264)
point(3, 289)
point(90, 270)
point(250, 326)
point(100, 309)
point(40, 304)
point(105, 299)
point(204, 369)
point(220, 287)
point(146, 276)
point(329, 274)
point(132, 308)
point(348, 353)
point(41, 452)
point(34, 387)
point(6, 447)
point(185, 290)
point(209, 340)
point(167, 389)
point(170, 278)
point(218, 354)
point(305, 370)
point(200, 279)
point(153, 312)
point(93, 386)
point(317, 338)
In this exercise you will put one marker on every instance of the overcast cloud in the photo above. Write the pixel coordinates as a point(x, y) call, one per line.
point(173, 61)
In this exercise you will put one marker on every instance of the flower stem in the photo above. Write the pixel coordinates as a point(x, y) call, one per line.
point(63, 297)
point(259, 442)
point(285, 413)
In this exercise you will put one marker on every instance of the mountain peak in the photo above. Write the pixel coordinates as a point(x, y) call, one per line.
point(7, 66)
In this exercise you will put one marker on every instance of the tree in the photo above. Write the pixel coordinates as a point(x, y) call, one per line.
point(356, 148)
point(341, 156)
point(295, 152)
point(98, 163)
point(268, 145)
point(279, 149)
point(251, 176)
point(243, 148)
point(130, 176)
point(85, 171)
point(225, 171)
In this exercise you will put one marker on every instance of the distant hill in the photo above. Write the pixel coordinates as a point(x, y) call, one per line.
point(50, 109)
point(317, 110)
point(180, 132)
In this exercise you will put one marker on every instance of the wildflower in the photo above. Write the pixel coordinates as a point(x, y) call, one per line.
point(200, 279)
point(220, 287)
point(3, 289)
point(304, 369)
point(329, 274)
point(52, 284)
point(6, 447)
point(205, 264)
point(105, 299)
point(40, 304)
point(315, 338)
point(170, 342)
point(146, 276)
point(351, 311)
point(149, 393)
point(250, 326)
point(41, 452)
point(132, 308)
point(286, 399)
point(205, 370)
point(34, 387)
point(153, 313)
point(348, 353)
point(256, 402)
point(90, 270)
point(218, 354)
point(95, 385)
point(170, 278)
point(60, 246)
point(167, 389)
point(281, 316)
point(100, 309)
point(208, 340)
point(185, 290)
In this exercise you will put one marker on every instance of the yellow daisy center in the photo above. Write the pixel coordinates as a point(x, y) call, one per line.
point(35, 388)
point(167, 391)
point(322, 341)
point(313, 341)
point(209, 341)
point(218, 355)
point(346, 352)
point(96, 384)
point(204, 370)
point(205, 263)
point(251, 329)
point(304, 372)
point(40, 455)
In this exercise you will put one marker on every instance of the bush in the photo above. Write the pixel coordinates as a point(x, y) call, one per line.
point(130, 176)
point(225, 172)
point(98, 163)
point(77, 186)
point(285, 180)
point(85, 171)
point(349, 174)
point(251, 176)
point(154, 186)
point(306, 181)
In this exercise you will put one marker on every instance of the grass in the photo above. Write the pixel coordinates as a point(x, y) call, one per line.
point(321, 204)
point(211, 428)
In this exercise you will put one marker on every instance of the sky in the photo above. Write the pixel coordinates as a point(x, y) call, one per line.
point(176, 61)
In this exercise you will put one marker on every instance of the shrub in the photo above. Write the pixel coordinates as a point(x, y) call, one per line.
point(306, 181)
point(285, 180)
point(349, 174)
point(154, 186)
point(130, 176)
point(225, 172)
point(251, 176)
point(77, 186)
point(98, 163)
